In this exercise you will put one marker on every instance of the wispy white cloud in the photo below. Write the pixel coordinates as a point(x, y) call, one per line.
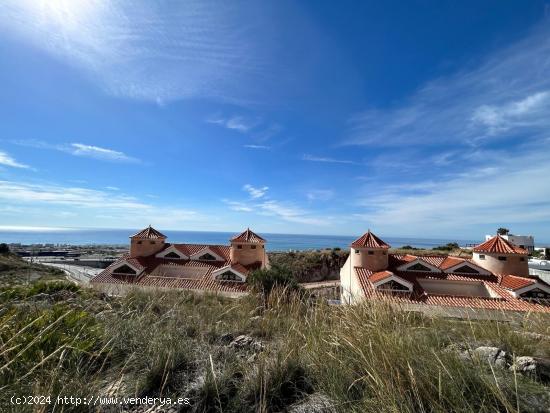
point(74, 196)
point(96, 152)
point(507, 94)
point(514, 191)
point(313, 158)
point(80, 149)
point(260, 204)
point(7, 160)
point(145, 50)
point(237, 123)
point(529, 112)
point(257, 147)
point(290, 213)
point(266, 132)
point(32, 199)
point(238, 206)
point(255, 193)
point(320, 194)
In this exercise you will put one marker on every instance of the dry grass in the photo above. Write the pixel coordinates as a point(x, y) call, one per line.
point(371, 357)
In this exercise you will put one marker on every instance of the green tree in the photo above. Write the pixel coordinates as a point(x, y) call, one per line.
point(447, 247)
point(264, 281)
point(503, 231)
point(4, 249)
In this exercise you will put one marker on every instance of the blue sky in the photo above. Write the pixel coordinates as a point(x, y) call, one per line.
point(419, 118)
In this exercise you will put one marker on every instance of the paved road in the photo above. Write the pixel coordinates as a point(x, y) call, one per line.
point(79, 274)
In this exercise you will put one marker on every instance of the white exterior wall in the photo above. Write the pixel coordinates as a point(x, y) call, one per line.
point(513, 264)
point(378, 261)
point(456, 288)
point(350, 287)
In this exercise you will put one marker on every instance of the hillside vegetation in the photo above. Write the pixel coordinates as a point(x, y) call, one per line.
point(310, 266)
point(276, 352)
point(320, 265)
point(15, 270)
point(236, 356)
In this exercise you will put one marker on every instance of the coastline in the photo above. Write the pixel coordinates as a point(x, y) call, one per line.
point(276, 242)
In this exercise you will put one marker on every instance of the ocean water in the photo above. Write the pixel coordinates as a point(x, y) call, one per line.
point(275, 242)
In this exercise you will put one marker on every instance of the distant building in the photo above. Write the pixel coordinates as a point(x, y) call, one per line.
point(526, 242)
point(154, 263)
point(496, 278)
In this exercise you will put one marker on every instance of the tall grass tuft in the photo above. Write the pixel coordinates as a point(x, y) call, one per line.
point(373, 357)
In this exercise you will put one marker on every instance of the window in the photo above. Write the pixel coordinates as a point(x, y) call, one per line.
point(384, 253)
point(466, 269)
point(172, 254)
point(239, 247)
point(418, 267)
point(371, 252)
point(481, 256)
point(152, 242)
point(502, 258)
point(125, 269)
point(522, 258)
point(357, 251)
point(522, 246)
point(229, 276)
point(392, 286)
point(139, 242)
point(253, 247)
point(207, 257)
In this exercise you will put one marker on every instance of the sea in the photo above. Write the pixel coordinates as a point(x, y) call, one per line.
point(275, 242)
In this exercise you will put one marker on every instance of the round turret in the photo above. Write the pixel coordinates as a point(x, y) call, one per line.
point(369, 252)
point(146, 242)
point(248, 248)
point(500, 256)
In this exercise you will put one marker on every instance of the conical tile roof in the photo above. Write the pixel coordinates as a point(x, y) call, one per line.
point(149, 233)
point(498, 245)
point(248, 236)
point(369, 240)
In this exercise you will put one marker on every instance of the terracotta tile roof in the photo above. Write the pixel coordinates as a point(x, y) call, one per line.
point(190, 249)
point(513, 282)
point(369, 240)
point(443, 262)
point(177, 273)
point(498, 245)
point(378, 276)
point(449, 262)
point(500, 285)
point(136, 262)
point(204, 284)
point(435, 260)
point(395, 260)
point(240, 268)
point(149, 233)
point(174, 273)
point(506, 301)
point(248, 236)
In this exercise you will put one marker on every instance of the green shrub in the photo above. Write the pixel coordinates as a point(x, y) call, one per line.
point(264, 281)
point(447, 247)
